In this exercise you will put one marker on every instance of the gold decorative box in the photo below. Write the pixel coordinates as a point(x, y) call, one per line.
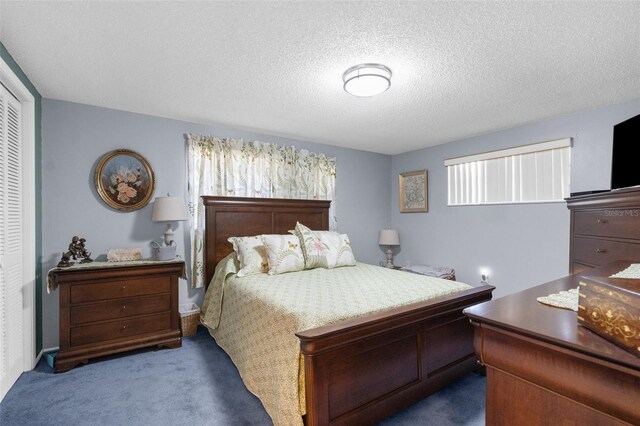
point(610, 307)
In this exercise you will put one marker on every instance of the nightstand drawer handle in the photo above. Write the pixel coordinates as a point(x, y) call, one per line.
point(602, 220)
point(124, 286)
point(124, 308)
point(602, 251)
point(124, 326)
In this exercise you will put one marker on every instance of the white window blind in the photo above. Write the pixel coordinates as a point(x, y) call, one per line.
point(526, 174)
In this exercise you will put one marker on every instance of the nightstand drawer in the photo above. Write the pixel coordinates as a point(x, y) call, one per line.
point(120, 308)
point(594, 251)
point(117, 289)
point(611, 223)
point(87, 334)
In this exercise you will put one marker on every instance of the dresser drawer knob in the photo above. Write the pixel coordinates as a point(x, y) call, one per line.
point(602, 220)
point(124, 308)
point(124, 327)
point(602, 251)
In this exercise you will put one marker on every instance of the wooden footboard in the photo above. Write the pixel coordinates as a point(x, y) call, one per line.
point(362, 370)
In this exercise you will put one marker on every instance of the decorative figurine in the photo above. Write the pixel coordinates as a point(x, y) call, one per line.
point(77, 250)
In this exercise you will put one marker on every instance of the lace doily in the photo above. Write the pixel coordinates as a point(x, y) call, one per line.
point(564, 299)
point(633, 271)
point(52, 286)
point(569, 299)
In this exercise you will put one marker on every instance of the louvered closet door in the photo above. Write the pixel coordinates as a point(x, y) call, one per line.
point(11, 279)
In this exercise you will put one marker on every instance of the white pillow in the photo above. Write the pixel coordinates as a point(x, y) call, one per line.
point(284, 253)
point(339, 253)
point(313, 249)
point(251, 254)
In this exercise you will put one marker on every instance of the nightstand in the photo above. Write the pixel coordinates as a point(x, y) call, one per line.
point(106, 308)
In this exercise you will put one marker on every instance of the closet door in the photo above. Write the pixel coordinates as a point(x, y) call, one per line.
point(11, 244)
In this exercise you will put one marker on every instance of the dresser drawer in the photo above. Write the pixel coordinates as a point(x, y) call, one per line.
point(121, 288)
point(598, 252)
point(120, 308)
point(101, 332)
point(579, 267)
point(611, 223)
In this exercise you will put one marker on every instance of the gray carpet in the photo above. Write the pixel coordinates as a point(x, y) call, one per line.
point(195, 385)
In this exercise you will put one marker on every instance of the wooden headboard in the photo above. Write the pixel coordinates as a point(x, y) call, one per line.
point(243, 217)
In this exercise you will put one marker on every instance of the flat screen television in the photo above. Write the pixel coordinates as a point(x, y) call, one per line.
point(625, 163)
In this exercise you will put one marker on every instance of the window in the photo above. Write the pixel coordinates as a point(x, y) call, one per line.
point(233, 167)
point(533, 173)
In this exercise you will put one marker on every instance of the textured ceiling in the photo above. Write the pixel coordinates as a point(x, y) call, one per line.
point(459, 68)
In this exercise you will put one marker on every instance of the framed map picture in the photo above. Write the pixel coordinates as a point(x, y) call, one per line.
point(413, 192)
point(124, 180)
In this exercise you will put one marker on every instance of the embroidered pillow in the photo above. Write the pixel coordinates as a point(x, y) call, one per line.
point(313, 249)
point(340, 253)
point(251, 254)
point(284, 253)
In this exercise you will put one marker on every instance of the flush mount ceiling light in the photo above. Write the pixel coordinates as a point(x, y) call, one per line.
point(366, 80)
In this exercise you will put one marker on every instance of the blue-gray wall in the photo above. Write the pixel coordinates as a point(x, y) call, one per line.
point(8, 59)
point(521, 244)
point(75, 136)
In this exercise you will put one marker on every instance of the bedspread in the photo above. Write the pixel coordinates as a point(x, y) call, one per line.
point(254, 319)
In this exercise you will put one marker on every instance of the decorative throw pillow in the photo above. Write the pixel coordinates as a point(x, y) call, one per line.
point(340, 253)
point(251, 254)
point(313, 249)
point(284, 253)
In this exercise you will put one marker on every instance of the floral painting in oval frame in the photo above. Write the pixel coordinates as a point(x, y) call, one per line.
point(124, 180)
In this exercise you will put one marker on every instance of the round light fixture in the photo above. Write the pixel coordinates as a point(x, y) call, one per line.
point(366, 80)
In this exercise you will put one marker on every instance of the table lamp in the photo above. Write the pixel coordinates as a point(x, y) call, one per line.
point(169, 209)
point(389, 237)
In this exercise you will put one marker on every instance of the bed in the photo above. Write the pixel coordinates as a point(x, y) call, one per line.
point(359, 370)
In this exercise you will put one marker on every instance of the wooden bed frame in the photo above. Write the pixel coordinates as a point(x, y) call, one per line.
point(362, 370)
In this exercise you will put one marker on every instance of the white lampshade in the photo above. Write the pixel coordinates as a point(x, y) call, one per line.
point(389, 237)
point(366, 80)
point(168, 209)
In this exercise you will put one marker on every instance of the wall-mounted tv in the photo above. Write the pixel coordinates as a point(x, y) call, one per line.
point(625, 163)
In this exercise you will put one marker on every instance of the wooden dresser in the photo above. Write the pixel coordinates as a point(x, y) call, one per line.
point(604, 227)
point(545, 369)
point(110, 309)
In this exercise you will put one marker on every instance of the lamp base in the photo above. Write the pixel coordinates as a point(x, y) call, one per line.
point(389, 258)
point(168, 235)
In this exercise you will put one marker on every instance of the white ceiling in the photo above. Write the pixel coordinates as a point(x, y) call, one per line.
point(459, 68)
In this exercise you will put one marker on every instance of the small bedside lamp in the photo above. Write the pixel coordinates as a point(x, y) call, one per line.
point(389, 237)
point(169, 209)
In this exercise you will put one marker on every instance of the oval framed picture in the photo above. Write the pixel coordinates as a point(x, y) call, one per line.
point(124, 180)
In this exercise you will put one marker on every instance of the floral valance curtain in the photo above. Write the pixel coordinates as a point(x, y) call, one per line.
point(233, 167)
